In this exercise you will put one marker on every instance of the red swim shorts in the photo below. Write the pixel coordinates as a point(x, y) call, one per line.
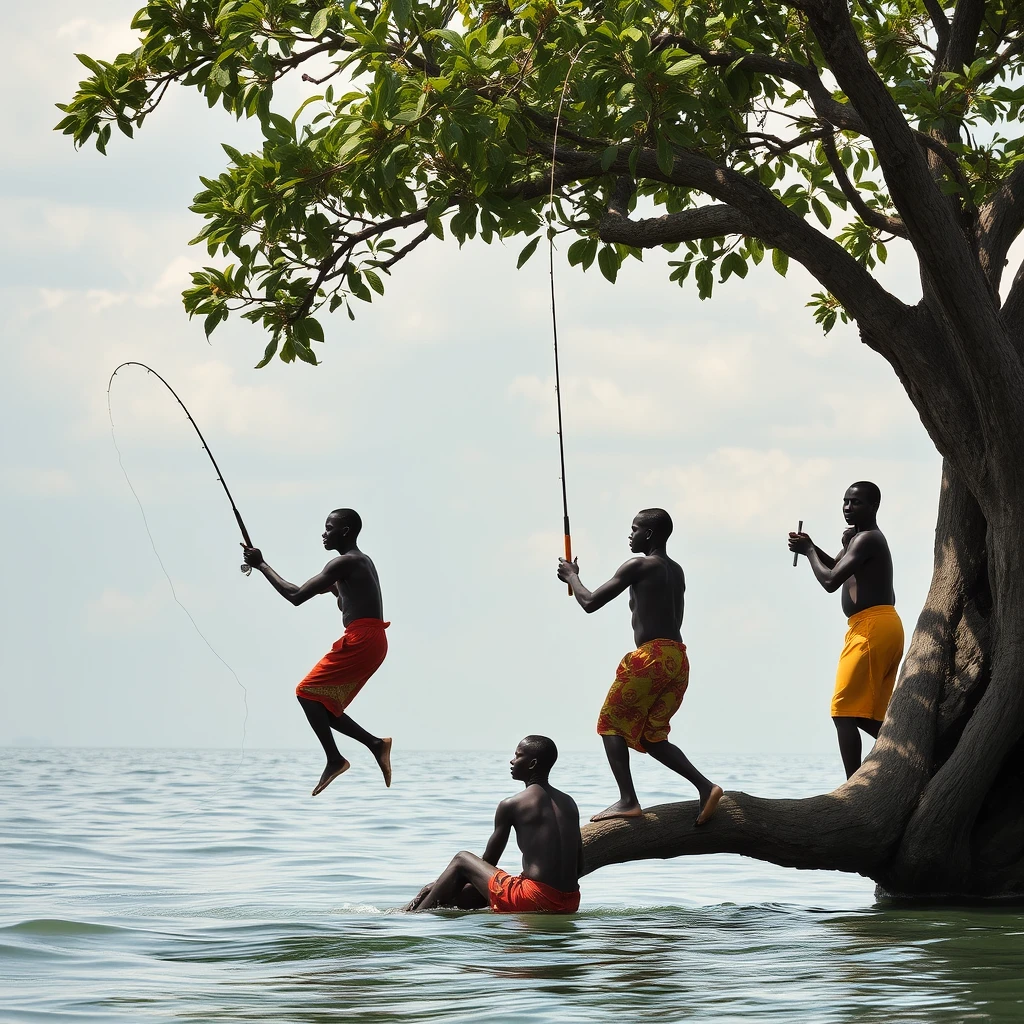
point(518, 895)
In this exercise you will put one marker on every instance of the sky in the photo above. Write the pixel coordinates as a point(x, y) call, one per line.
point(433, 415)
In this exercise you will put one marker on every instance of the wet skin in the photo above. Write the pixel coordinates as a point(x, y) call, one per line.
point(547, 827)
point(352, 578)
point(863, 569)
point(656, 597)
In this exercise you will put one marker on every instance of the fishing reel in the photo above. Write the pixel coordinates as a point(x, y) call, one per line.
point(245, 569)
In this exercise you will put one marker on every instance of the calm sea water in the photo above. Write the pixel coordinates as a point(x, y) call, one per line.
point(175, 885)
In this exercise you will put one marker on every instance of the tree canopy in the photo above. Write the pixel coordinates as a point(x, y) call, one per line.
point(725, 120)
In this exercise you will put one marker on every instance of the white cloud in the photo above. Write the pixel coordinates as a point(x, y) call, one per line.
point(597, 405)
point(742, 489)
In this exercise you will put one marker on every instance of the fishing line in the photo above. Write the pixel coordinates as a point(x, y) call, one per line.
point(566, 531)
point(152, 542)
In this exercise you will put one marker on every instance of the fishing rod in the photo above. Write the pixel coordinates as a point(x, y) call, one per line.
point(566, 531)
point(195, 426)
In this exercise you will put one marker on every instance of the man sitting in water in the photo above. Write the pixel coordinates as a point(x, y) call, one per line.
point(650, 681)
point(547, 824)
point(335, 680)
point(874, 640)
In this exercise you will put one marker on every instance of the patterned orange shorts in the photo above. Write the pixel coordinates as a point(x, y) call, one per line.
point(649, 686)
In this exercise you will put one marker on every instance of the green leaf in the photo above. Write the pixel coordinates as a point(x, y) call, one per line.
point(319, 22)
point(608, 157)
point(780, 261)
point(608, 261)
point(821, 211)
point(268, 353)
point(528, 251)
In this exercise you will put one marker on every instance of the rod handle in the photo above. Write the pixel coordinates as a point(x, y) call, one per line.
point(799, 528)
point(568, 558)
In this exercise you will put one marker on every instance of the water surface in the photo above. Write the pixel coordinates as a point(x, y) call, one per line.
point(140, 885)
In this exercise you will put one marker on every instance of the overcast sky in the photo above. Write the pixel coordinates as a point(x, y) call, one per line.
point(433, 415)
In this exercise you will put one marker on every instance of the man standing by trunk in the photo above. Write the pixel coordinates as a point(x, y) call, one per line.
point(874, 640)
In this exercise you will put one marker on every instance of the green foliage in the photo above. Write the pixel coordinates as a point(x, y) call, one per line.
point(437, 118)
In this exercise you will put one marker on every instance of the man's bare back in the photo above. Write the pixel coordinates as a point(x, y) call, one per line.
point(547, 826)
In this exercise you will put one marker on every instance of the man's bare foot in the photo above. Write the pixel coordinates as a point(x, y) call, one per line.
point(383, 757)
point(414, 903)
point(331, 772)
point(708, 808)
point(619, 809)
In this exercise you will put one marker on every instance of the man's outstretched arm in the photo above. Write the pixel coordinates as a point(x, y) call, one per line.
point(296, 594)
point(590, 600)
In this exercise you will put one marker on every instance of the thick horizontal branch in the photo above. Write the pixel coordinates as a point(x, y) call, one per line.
point(770, 220)
point(817, 832)
point(686, 226)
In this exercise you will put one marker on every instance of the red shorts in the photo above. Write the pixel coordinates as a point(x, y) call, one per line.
point(341, 673)
point(518, 895)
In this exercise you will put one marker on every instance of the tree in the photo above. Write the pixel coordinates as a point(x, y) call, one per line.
point(718, 129)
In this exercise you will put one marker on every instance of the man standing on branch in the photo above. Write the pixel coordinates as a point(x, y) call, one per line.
point(547, 824)
point(650, 681)
point(336, 679)
point(874, 641)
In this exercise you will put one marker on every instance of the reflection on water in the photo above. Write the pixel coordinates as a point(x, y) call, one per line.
point(138, 886)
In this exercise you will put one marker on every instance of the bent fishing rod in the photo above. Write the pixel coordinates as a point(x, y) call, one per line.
point(206, 448)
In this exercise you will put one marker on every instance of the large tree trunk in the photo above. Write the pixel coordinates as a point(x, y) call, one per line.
point(935, 809)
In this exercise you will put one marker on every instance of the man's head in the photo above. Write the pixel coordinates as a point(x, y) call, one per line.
point(534, 758)
point(341, 529)
point(860, 504)
point(652, 528)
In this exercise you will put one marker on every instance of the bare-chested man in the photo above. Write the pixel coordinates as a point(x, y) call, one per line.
point(547, 824)
point(874, 641)
point(336, 679)
point(650, 681)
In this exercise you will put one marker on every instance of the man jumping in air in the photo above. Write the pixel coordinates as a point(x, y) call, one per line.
point(650, 681)
point(336, 679)
point(874, 641)
point(547, 824)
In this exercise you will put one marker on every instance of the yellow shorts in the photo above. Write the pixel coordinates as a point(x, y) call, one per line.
point(648, 689)
point(867, 667)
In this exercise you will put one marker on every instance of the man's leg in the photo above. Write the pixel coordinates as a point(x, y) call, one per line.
point(849, 742)
point(379, 746)
point(672, 757)
point(627, 806)
point(465, 869)
point(319, 719)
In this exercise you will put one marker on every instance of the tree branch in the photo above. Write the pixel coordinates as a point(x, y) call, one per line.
point(941, 25)
point(770, 220)
point(943, 250)
point(1000, 222)
point(968, 16)
point(873, 218)
point(687, 226)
